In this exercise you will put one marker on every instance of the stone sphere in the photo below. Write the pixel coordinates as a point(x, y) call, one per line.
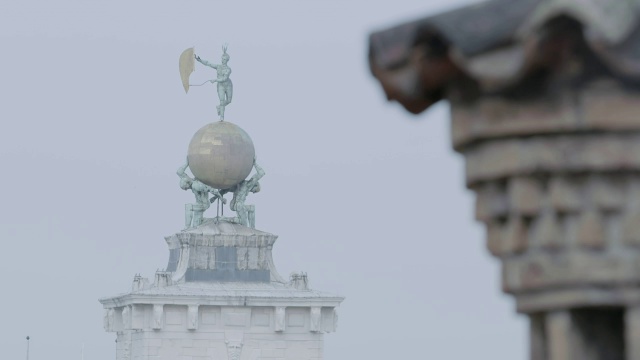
point(221, 155)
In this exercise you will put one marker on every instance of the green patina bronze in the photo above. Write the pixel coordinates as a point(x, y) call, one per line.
point(221, 155)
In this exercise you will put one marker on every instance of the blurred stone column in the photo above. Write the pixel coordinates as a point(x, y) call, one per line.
point(558, 186)
point(537, 337)
point(632, 332)
point(545, 109)
point(560, 334)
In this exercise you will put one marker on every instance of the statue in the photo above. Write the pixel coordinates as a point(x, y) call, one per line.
point(225, 86)
point(246, 214)
point(194, 212)
point(221, 154)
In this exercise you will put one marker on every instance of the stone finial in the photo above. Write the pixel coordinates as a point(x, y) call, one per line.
point(299, 280)
point(139, 283)
point(163, 279)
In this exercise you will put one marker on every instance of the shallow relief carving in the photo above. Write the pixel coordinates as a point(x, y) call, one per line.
point(158, 316)
point(234, 345)
point(316, 317)
point(192, 317)
point(109, 320)
point(126, 318)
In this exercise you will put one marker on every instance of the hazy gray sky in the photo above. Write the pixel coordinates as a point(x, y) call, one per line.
point(366, 198)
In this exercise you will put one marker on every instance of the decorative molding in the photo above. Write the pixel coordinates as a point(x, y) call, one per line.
point(137, 317)
point(234, 345)
point(280, 318)
point(109, 320)
point(192, 317)
point(316, 319)
point(126, 317)
point(158, 316)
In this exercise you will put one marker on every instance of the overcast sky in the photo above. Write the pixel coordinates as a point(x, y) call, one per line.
point(366, 198)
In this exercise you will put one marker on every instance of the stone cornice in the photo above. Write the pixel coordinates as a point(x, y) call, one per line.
point(220, 300)
point(493, 46)
point(184, 238)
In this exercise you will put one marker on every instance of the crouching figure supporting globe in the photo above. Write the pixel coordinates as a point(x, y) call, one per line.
point(221, 156)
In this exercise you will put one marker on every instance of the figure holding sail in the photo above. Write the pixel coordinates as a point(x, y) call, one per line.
point(225, 86)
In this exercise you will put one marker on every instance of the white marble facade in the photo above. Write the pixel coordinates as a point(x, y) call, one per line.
point(177, 319)
point(221, 332)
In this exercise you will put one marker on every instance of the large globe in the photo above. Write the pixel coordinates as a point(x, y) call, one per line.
point(221, 154)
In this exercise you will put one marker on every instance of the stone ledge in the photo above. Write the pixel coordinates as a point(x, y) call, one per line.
point(181, 239)
point(496, 117)
point(606, 152)
point(592, 110)
point(536, 272)
point(565, 195)
point(576, 297)
point(171, 317)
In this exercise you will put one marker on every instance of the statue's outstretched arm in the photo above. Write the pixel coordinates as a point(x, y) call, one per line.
point(205, 62)
point(259, 171)
point(182, 169)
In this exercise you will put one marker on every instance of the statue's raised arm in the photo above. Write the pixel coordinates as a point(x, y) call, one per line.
point(182, 169)
point(205, 62)
point(259, 171)
point(194, 212)
point(185, 180)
